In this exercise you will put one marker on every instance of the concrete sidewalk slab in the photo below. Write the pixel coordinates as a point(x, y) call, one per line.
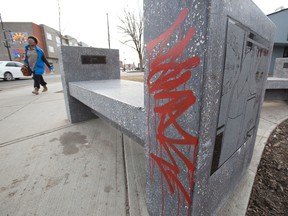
point(74, 171)
point(24, 114)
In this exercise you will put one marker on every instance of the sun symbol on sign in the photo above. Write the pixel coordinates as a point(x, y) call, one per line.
point(19, 37)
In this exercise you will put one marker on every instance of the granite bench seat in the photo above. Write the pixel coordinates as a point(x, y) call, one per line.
point(276, 88)
point(121, 102)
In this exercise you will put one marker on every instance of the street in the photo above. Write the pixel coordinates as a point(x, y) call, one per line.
point(5, 85)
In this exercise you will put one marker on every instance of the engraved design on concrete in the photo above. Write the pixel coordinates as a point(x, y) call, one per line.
point(243, 82)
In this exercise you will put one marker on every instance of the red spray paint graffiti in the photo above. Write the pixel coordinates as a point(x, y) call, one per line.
point(168, 75)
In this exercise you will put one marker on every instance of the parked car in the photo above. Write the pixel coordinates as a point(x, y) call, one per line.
point(10, 70)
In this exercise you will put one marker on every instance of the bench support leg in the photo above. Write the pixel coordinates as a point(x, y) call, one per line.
point(77, 111)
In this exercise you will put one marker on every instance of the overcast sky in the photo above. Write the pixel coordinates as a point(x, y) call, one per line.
point(86, 19)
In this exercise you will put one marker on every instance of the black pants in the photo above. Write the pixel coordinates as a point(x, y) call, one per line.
point(38, 80)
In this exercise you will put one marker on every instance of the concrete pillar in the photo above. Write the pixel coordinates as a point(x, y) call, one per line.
point(281, 68)
point(206, 64)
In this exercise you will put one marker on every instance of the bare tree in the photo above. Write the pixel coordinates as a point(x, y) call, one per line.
point(132, 28)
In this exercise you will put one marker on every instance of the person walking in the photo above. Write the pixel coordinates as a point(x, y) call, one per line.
point(34, 60)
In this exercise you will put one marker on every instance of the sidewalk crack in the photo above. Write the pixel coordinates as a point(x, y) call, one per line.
point(126, 178)
point(11, 142)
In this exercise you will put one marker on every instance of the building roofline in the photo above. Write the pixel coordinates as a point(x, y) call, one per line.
point(277, 12)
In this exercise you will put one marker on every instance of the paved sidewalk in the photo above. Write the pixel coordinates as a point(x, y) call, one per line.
point(272, 114)
point(51, 167)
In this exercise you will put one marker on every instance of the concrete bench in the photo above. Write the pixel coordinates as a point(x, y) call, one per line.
point(202, 97)
point(276, 88)
point(120, 102)
point(92, 87)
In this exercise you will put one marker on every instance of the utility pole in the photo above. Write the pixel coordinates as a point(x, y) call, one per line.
point(6, 43)
point(59, 20)
point(108, 30)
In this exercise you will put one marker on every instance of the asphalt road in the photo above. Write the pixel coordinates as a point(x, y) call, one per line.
point(14, 84)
